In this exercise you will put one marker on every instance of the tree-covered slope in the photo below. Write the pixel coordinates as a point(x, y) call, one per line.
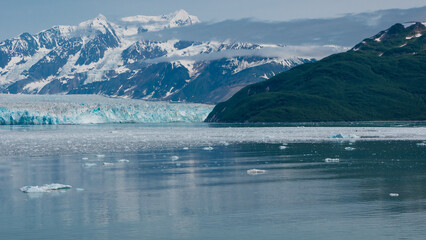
point(381, 78)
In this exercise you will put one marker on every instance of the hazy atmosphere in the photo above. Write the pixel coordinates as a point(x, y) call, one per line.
point(17, 16)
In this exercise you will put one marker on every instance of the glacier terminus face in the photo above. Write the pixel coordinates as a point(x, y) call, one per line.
point(92, 109)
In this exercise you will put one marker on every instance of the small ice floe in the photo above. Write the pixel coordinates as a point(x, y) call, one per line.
point(349, 148)
point(185, 148)
point(45, 188)
point(342, 136)
point(79, 189)
point(123, 161)
point(256, 171)
point(100, 156)
point(422, 144)
point(89, 165)
point(108, 164)
point(85, 158)
point(174, 158)
point(394, 194)
point(332, 160)
point(208, 148)
point(283, 147)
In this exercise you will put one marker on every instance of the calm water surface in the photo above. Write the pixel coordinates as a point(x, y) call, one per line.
point(207, 194)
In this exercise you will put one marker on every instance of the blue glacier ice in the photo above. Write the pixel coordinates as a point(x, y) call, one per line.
point(92, 109)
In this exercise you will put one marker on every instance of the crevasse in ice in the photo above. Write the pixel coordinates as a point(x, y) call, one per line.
point(91, 109)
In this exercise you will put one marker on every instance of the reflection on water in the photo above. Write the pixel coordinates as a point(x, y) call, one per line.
point(209, 195)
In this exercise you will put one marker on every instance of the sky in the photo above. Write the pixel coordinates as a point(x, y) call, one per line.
point(18, 16)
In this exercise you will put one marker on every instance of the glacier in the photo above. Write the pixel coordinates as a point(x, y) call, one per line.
point(93, 109)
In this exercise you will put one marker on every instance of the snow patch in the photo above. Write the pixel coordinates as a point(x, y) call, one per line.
point(38, 85)
point(417, 35)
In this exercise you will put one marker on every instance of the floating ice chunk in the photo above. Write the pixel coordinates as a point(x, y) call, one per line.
point(349, 148)
point(89, 165)
point(331, 160)
point(208, 148)
point(174, 158)
point(422, 144)
point(394, 194)
point(185, 148)
point(85, 158)
point(342, 136)
point(100, 156)
point(107, 164)
point(45, 188)
point(283, 147)
point(79, 189)
point(256, 171)
point(337, 136)
point(123, 161)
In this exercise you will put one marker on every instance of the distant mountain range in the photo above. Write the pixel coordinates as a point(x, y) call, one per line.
point(173, 57)
point(115, 59)
point(383, 78)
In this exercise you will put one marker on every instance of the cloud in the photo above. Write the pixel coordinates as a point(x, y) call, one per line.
point(284, 52)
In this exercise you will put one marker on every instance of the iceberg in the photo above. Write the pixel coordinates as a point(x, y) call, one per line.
point(123, 161)
point(342, 136)
point(93, 109)
point(45, 188)
point(349, 148)
point(256, 171)
point(89, 165)
point(331, 160)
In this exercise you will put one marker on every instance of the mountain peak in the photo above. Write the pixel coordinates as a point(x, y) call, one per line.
point(100, 23)
point(396, 37)
point(178, 18)
point(183, 17)
point(101, 17)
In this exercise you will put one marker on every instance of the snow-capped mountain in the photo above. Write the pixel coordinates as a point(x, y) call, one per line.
point(141, 23)
point(101, 57)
